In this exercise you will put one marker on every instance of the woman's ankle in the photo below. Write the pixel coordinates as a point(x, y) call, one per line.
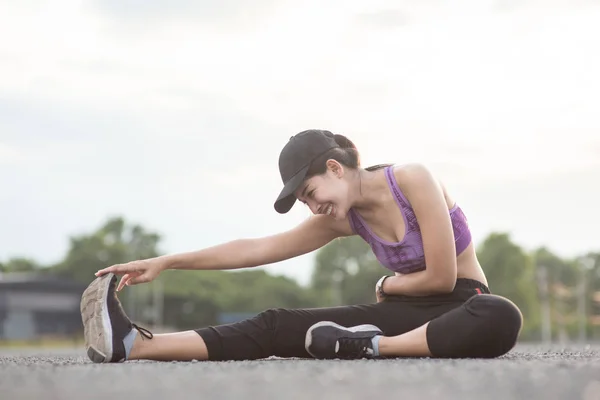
point(135, 351)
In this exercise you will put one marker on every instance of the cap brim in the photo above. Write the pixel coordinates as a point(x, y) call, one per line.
point(286, 199)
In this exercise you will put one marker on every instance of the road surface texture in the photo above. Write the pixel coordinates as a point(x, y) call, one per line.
point(528, 372)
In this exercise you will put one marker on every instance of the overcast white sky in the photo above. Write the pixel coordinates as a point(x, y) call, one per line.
point(173, 113)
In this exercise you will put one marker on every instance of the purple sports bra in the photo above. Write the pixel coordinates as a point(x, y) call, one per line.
point(407, 255)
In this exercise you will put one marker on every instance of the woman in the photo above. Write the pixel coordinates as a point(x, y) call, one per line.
point(436, 304)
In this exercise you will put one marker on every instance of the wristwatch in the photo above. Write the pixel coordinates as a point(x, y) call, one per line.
point(379, 286)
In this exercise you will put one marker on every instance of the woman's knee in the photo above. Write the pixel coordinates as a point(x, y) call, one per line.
point(269, 318)
point(485, 326)
point(499, 311)
point(499, 320)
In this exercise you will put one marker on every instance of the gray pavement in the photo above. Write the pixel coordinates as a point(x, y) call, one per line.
point(528, 372)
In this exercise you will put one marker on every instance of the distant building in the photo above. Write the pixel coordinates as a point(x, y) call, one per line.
point(34, 306)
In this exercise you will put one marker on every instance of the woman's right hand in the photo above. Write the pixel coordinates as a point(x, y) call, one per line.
point(134, 272)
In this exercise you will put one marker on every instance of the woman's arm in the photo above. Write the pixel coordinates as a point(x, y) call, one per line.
point(426, 197)
point(310, 235)
point(242, 253)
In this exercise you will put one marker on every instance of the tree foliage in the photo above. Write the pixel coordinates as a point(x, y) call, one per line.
point(19, 264)
point(510, 273)
point(345, 272)
point(114, 242)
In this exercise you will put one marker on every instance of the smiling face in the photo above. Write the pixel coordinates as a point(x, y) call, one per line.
point(327, 193)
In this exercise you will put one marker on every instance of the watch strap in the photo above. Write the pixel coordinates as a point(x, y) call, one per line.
point(380, 285)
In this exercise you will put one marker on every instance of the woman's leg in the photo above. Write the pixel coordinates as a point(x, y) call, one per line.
point(111, 337)
point(178, 346)
point(409, 344)
point(444, 326)
point(485, 326)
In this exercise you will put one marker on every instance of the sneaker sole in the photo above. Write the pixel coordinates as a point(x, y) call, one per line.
point(358, 328)
point(97, 327)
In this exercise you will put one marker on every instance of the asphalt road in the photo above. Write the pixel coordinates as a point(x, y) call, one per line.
point(528, 372)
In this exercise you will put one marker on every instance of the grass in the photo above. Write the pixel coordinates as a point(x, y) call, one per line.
point(47, 342)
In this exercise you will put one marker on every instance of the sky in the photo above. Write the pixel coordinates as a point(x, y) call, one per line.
point(172, 114)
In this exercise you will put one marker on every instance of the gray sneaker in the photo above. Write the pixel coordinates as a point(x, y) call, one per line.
point(105, 323)
point(328, 340)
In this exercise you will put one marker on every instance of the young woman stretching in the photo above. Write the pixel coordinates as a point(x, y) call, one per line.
point(436, 304)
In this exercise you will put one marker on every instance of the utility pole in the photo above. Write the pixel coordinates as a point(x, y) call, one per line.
point(131, 292)
point(158, 300)
point(581, 303)
point(336, 280)
point(542, 275)
point(587, 263)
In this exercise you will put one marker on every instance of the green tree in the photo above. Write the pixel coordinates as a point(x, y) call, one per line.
point(19, 264)
point(256, 290)
point(113, 243)
point(346, 272)
point(251, 290)
point(562, 280)
point(510, 273)
point(590, 263)
point(559, 270)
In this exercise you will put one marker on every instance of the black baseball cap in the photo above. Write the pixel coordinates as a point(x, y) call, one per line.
point(295, 159)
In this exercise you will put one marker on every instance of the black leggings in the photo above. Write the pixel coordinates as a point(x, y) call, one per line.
point(467, 323)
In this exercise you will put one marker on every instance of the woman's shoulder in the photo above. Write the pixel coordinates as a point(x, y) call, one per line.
point(414, 173)
point(416, 180)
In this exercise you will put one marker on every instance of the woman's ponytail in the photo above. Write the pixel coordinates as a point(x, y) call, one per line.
point(347, 154)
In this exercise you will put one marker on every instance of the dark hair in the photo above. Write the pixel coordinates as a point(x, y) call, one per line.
point(347, 155)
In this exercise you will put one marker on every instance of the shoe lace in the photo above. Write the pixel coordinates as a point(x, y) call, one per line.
point(143, 331)
point(354, 347)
